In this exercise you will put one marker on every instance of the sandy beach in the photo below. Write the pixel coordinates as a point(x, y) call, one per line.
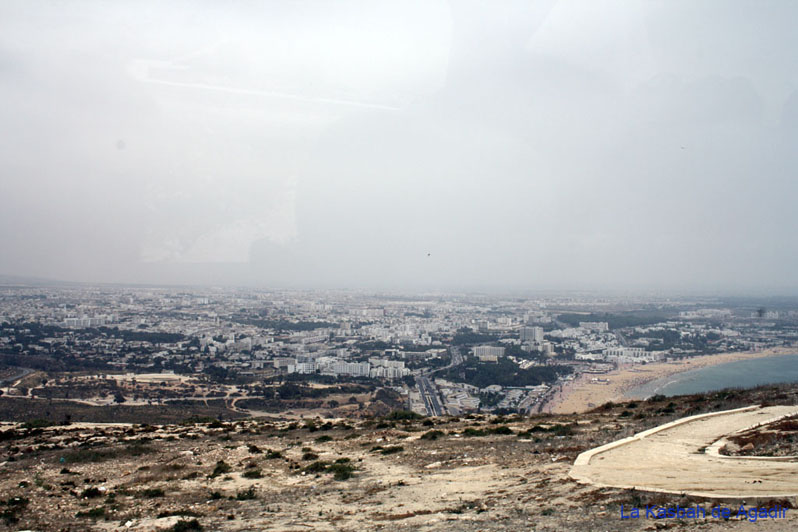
point(584, 393)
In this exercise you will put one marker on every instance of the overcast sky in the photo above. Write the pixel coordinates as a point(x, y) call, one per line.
point(405, 144)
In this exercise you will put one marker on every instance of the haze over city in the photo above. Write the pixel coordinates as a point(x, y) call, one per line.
point(422, 144)
point(398, 265)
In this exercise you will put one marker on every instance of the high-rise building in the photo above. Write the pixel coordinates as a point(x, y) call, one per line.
point(531, 334)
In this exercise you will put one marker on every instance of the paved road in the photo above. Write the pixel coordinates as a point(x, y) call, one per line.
point(429, 392)
point(430, 395)
point(675, 459)
point(621, 338)
point(457, 359)
point(22, 374)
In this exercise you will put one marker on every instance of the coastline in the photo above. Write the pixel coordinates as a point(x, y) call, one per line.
point(582, 394)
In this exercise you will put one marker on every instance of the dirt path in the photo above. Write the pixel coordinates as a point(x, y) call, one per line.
point(671, 458)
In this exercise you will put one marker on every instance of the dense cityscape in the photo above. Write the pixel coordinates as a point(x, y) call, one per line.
point(256, 351)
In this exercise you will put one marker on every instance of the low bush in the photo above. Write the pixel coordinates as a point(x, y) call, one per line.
point(432, 435)
point(247, 494)
point(220, 469)
point(186, 526)
point(392, 450)
point(252, 473)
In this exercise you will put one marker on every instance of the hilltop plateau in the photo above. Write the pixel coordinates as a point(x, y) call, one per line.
point(396, 472)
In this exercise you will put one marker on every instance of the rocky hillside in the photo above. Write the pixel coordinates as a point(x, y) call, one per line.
point(396, 472)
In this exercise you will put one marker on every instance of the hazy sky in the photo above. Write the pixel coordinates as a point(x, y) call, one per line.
point(405, 144)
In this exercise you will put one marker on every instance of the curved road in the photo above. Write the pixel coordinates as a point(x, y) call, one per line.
point(671, 458)
point(21, 375)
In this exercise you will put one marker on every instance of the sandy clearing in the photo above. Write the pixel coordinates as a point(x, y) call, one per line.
point(671, 459)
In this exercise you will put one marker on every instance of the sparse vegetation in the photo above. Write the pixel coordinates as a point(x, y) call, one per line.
point(94, 513)
point(432, 435)
point(392, 449)
point(91, 493)
point(246, 495)
point(102, 454)
point(341, 470)
point(187, 526)
point(220, 469)
point(454, 445)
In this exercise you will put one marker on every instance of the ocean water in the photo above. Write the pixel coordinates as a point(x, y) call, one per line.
point(739, 374)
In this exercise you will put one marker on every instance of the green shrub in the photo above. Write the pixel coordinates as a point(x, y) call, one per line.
point(403, 415)
point(432, 435)
point(247, 494)
point(100, 455)
point(91, 493)
point(37, 424)
point(18, 502)
point(252, 473)
point(186, 526)
point(220, 469)
point(392, 450)
point(341, 471)
point(15, 506)
point(316, 467)
point(561, 430)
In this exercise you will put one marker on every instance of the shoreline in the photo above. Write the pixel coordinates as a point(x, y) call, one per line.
point(583, 394)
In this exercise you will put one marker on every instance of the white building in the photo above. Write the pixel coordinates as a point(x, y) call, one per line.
point(302, 367)
point(598, 326)
point(355, 369)
point(283, 362)
point(631, 355)
point(385, 363)
point(384, 372)
point(85, 321)
point(531, 334)
point(488, 353)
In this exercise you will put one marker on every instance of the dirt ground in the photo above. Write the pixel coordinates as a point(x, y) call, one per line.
point(473, 473)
